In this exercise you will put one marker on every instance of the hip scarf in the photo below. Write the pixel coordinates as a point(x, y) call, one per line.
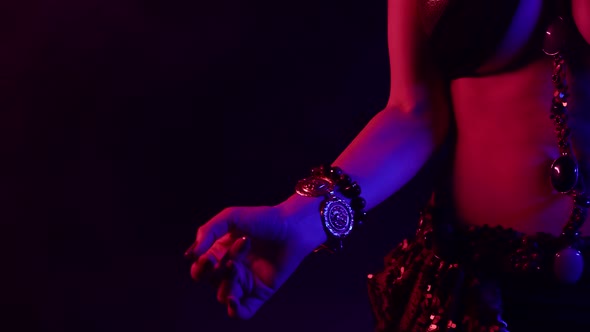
point(460, 278)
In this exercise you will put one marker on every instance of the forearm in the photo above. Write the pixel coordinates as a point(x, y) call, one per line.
point(384, 156)
point(390, 151)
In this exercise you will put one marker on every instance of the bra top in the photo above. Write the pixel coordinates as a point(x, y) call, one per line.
point(463, 34)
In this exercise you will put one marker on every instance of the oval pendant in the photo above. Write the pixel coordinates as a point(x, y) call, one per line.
point(555, 37)
point(564, 173)
point(568, 265)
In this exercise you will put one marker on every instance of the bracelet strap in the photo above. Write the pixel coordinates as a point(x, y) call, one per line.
point(339, 217)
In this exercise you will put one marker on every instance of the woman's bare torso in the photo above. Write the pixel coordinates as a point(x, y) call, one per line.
point(506, 144)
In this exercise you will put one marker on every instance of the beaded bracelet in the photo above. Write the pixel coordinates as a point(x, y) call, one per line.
point(339, 217)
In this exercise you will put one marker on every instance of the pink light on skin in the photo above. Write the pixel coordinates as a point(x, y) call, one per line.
point(581, 13)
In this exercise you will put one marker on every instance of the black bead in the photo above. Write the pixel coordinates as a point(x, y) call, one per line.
point(558, 120)
point(558, 109)
point(344, 181)
point(564, 174)
point(565, 132)
point(358, 203)
point(563, 144)
point(335, 173)
point(353, 190)
point(554, 39)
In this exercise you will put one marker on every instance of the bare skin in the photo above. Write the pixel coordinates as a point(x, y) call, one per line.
point(505, 146)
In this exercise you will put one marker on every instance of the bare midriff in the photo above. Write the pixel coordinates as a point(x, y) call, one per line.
point(506, 144)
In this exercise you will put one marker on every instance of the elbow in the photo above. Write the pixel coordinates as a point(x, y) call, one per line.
point(411, 101)
point(423, 115)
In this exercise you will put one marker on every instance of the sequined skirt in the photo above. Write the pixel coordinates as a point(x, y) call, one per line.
point(448, 278)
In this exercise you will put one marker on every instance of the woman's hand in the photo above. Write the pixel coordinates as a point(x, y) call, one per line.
point(249, 252)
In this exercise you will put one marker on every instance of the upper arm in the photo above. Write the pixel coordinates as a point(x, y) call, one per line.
point(581, 13)
point(416, 83)
point(414, 76)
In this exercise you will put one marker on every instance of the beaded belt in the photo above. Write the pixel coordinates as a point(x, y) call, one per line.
point(504, 252)
point(450, 278)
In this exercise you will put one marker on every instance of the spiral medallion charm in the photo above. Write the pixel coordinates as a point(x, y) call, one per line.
point(314, 187)
point(337, 217)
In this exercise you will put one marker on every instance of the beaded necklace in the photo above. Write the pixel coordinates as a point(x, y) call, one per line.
point(565, 174)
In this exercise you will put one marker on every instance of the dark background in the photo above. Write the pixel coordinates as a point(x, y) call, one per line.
point(126, 124)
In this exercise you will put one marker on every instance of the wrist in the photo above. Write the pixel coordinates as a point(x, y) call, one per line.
point(342, 207)
point(303, 219)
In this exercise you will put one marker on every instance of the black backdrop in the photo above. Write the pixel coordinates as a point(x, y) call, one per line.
point(125, 124)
